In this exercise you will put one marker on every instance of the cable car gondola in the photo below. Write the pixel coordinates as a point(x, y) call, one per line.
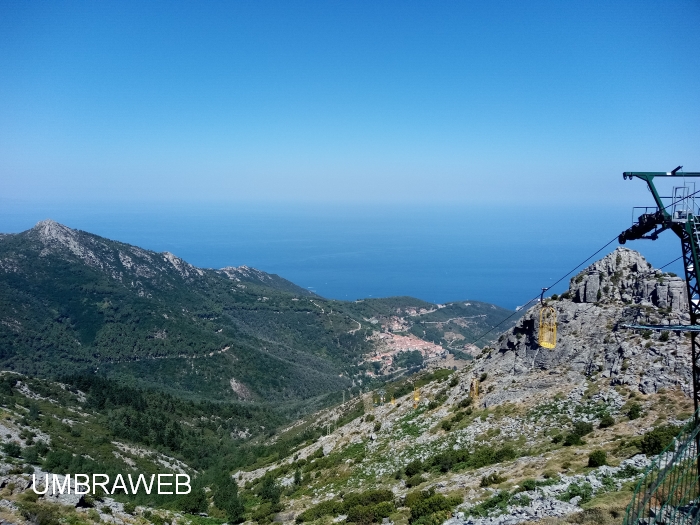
point(547, 336)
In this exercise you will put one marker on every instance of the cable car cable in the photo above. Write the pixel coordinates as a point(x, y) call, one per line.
point(550, 286)
point(538, 296)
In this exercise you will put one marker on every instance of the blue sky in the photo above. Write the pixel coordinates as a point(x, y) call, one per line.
point(345, 101)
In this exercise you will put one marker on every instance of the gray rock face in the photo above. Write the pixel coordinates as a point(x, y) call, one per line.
point(621, 287)
point(626, 276)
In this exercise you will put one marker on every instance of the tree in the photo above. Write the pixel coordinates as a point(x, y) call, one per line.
point(269, 490)
point(597, 458)
point(194, 502)
point(226, 496)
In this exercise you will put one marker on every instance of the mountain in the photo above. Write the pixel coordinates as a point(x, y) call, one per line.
point(620, 288)
point(562, 435)
point(71, 301)
point(555, 436)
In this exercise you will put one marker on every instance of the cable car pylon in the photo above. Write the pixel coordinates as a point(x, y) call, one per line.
point(681, 217)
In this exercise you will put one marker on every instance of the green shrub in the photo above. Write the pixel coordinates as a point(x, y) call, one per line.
point(383, 510)
point(12, 449)
point(528, 484)
point(483, 377)
point(31, 455)
point(606, 421)
point(492, 479)
point(414, 481)
point(361, 515)
point(325, 508)
point(628, 472)
point(464, 403)
point(367, 498)
point(572, 439)
point(263, 514)
point(499, 501)
point(597, 458)
point(582, 428)
point(432, 504)
point(129, 508)
point(634, 411)
point(40, 514)
point(584, 490)
point(655, 441)
point(413, 468)
point(194, 502)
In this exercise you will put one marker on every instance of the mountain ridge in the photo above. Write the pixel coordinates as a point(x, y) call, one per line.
point(73, 299)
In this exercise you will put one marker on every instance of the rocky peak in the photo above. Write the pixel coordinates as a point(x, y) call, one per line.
point(620, 288)
point(51, 231)
point(626, 276)
point(54, 235)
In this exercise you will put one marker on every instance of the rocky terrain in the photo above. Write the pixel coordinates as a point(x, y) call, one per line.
point(553, 436)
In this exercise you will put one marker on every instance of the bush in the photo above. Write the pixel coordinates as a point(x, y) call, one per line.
point(361, 515)
point(499, 501)
point(383, 509)
point(194, 502)
point(414, 481)
point(413, 468)
point(325, 508)
point(634, 411)
point(12, 449)
point(572, 439)
point(430, 503)
point(584, 490)
point(40, 514)
point(263, 514)
point(464, 403)
point(129, 508)
point(582, 428)
point(483, 377)
point(597, 458)
point(606, 421)
point(655, 441)
point(367, 498)
point(492, 479)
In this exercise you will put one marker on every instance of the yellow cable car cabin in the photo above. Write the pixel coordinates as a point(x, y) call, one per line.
point(547, 336)
point(474, 389)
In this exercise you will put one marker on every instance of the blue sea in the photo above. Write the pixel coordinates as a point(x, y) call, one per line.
point(498, 254)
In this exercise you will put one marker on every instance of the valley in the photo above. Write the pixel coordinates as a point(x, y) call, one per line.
point(297, 409)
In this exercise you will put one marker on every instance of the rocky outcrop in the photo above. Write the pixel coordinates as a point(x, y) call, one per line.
point(621, 287)
point(625, 276)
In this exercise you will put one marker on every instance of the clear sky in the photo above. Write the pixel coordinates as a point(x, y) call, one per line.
point(345, 101)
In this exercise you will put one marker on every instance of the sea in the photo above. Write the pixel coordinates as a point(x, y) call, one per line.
point(500, 254)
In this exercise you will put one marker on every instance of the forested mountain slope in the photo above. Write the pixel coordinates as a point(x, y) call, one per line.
point(71, 301)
